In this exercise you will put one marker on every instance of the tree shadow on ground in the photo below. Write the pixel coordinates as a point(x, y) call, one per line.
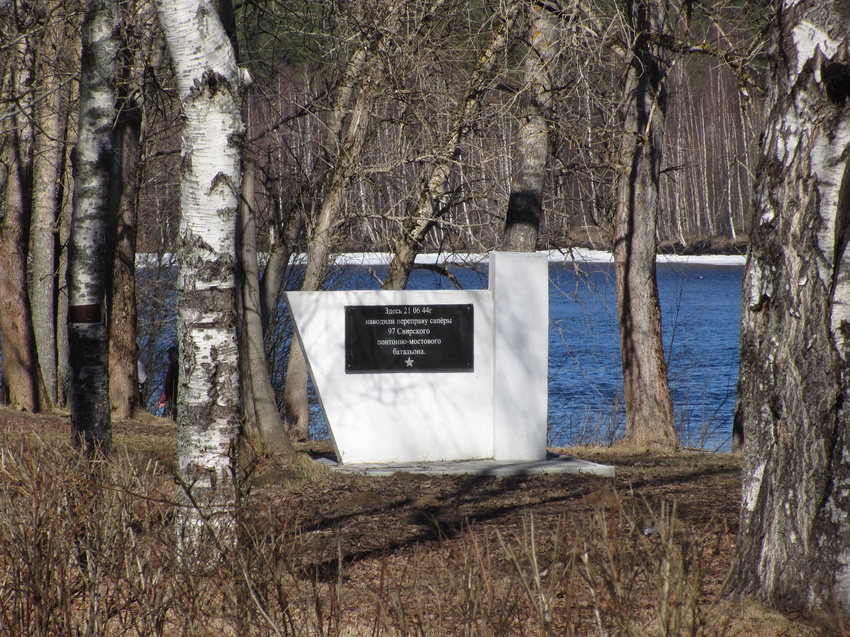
point(346, 519)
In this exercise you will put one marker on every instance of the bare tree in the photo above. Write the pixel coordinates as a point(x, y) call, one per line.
point(793, 391)
point(137, 55)
point(263, 425)
point(356, 92)
point(21, 375)
point(66, 214)
point(427, 206)
point(525, 205)
point(56, 44)
point(649, 407)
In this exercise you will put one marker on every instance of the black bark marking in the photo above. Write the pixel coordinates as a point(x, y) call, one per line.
point(842, 233)
point(213, 81)
point(836, 80)
point(844, 330)
point(218, 180)
point(524, 206)
point(210, 84)
point(91, 313)
point(763, 304)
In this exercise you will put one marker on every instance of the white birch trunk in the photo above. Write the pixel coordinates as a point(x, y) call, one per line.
point(90, 414)
point(531, 151)
point(208, 412)
point(794, 382)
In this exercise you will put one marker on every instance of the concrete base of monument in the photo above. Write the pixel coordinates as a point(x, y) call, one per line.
point(553, 463)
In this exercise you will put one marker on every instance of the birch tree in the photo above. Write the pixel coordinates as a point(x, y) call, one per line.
point(263, 427)
point(90, 412)
point(525, 205)
point(793, 548)
point(208, 413)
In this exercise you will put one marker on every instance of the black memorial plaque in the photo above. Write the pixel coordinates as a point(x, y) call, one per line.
point(409, 338)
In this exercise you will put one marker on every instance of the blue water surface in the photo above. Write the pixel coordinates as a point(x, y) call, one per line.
point(700, 316)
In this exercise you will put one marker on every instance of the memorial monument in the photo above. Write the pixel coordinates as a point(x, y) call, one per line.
point(433, 375)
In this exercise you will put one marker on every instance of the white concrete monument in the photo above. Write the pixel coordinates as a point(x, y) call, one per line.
point(433, 375)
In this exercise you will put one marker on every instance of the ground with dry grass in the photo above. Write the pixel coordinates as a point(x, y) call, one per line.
point(645, 552)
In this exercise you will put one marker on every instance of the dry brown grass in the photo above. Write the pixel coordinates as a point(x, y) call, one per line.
point(91, 549)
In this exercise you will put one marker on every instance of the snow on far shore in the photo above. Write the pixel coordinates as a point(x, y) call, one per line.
point(705, 259)
point(578, 255)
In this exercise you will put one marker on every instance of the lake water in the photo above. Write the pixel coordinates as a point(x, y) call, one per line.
point(700, 313)
point(700, 320)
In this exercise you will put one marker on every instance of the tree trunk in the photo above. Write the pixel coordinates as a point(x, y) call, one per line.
point(525, 204)
point(793, 548)
point(90, 417)
point(20, 370)
point(322, 238)
point(47, 164)
point(263, 425)
point(271, 283)
point(208, 410)
point(66, 214)
point(649, 407)
point(362, 72)
point(123, 347)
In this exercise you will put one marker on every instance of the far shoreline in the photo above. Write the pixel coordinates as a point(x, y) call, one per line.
point(574, 255)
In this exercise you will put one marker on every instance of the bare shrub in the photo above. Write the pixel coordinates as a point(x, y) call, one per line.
point(81, 544)
point(91, 549)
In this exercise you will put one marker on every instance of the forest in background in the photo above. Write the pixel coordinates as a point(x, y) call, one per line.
point(298, 52)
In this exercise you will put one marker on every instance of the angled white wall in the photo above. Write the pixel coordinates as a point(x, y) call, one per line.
point(496, 410)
